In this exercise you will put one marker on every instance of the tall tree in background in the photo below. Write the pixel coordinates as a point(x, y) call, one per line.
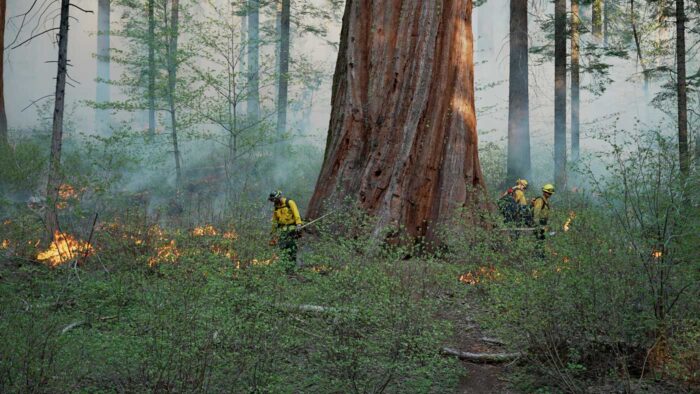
point(402, 139)
point(3, 115)
point(253, 10)
point(104, 10)
point(172, 85)
point(151, 37)
point(54, 179)
point(282, 95)
point(597, 18)
point(560, 93)
point(575, 81)
point(681, 82)
point(518, 95)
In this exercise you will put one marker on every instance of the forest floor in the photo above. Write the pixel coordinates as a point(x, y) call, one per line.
point(478, 378)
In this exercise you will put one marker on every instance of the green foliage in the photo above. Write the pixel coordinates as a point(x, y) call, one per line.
point(205, 321)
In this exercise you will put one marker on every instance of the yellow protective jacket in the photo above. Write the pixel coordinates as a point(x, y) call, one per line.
point(540, 210)
point(286, 214)
point(519, 196)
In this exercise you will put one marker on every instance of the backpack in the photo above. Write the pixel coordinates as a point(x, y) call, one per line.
point(513, 212)
point(508, 206)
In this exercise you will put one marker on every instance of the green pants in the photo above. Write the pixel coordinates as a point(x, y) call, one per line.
point(288, 246)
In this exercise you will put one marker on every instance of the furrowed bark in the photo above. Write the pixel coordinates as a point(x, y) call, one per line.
point(402, 139)
point(518, 96)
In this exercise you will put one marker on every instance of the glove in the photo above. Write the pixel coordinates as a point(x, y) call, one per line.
point(298, 229)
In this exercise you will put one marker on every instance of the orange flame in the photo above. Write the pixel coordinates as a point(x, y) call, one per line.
point(63, 249)
point(567, 224)
point(480, 275)
point(232, 235)
point(202, 231)
point(657, 254)
point(5, 244)
point(167, 253)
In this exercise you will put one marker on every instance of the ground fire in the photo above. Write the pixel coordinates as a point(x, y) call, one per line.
point(64, 248)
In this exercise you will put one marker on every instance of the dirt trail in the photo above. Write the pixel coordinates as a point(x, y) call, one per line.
point(478, 378)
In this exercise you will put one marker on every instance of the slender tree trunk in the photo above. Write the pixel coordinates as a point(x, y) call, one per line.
point(684, 157)
point(575, 81)
point(253, 60)
point(283, 83)
point(607, 13)
point(597, 16)
point(4, 140)
point(518, 95)
point(560, 93)
point(151, 69)
point(54, 179)
point(172, 85)
point(103, 75)
point(638, 46)
point(402, 139)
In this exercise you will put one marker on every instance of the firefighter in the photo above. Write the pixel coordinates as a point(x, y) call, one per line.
point(540, 210)
point(286, 224)
point(519, 192)
point(514, 205)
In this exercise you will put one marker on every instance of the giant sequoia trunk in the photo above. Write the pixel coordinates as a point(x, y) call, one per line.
point(402, 139)
point(102, 94)
point(560, 93)
point(518, 97)
point(3, 114)
point(54, 181)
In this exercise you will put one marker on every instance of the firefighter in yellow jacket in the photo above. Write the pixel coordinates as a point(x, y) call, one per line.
point(286, 223)
point(540, 210)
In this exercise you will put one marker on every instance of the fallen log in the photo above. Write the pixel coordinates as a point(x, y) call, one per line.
point(482, 358)
point(493, 341)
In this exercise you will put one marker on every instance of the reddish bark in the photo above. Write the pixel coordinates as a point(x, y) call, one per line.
point(402, 140)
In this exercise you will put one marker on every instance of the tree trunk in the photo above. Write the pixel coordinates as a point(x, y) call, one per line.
point(151, 69)
point(575, 81)
point(682, 92)
point(253, 60)
point(4, 140)
point(597, 16)
point(172, 84)
point(518, 96)
point(103, 76)
point(402, 139)
point(607, 13)
point(560, 93)
point(54, 179)
point(283, 70)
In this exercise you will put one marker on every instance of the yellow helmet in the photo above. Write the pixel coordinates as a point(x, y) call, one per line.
point(548, 188)
point(521, 182)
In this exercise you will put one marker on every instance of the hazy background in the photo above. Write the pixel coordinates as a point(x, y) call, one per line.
point(28, 76)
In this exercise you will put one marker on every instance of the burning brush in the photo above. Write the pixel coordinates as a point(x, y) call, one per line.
point(63, 249)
